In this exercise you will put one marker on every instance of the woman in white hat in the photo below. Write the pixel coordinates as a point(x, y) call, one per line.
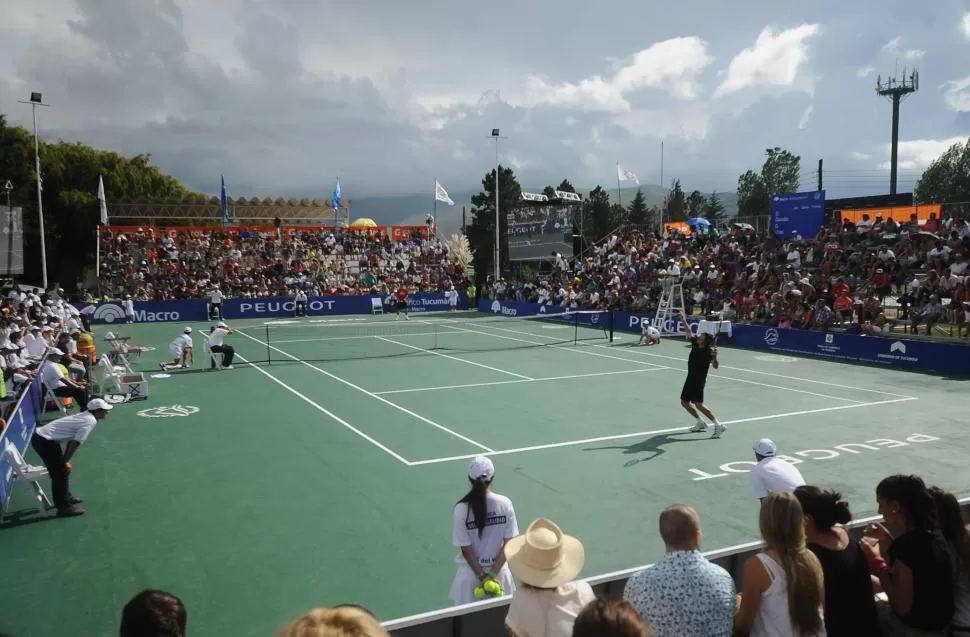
point(483, 522)
point(546, 561)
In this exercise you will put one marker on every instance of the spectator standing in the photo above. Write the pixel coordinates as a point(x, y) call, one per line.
point(482, 523)
point(546, 562)
point(683, 595)
point(74, 430)
point(782, 589)
point(917, 572)
point(772, 473)
point(850, 603)
point(154, 613)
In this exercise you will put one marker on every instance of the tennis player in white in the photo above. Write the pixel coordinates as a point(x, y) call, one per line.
point(649, 335)
point(483, 522)
point(182, 350)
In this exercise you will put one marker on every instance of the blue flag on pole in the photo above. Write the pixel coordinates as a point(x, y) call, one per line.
point(225, 203)
point(335, 197)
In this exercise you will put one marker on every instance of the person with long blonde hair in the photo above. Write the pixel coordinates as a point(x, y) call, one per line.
point(341, 621)
point(782, 588)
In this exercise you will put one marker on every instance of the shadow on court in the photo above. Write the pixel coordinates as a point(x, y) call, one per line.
point(654, 446)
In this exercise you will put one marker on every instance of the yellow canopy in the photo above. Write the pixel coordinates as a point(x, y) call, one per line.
point(363, 222)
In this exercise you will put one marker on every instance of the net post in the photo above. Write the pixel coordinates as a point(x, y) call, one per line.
point(269, 355)
point(612, 327)
point(576, 328)
point(434, 335)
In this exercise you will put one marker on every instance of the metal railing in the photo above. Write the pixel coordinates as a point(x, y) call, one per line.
point(487, 618)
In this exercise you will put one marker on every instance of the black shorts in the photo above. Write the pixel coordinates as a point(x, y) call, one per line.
point(693, 391)
point(402, 305)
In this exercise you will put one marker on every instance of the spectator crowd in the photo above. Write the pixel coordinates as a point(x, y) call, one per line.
point(866, 277)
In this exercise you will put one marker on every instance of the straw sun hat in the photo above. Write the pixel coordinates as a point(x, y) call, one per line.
point(544, 556)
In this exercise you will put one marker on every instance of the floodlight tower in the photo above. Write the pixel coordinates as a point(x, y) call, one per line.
point(36, 99)
point(496, 254)
point(896, 90)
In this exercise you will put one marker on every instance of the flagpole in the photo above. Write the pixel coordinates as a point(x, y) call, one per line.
point(664, 208)
point(619, 199)
point(434, 214)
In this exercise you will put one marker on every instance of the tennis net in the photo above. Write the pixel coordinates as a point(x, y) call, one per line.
point(357, 339)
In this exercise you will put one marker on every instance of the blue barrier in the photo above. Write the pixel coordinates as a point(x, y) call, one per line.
point(913, 354)
point(19, 431)
point(236, 308)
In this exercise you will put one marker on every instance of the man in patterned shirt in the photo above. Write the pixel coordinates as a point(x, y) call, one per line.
point(683, 595)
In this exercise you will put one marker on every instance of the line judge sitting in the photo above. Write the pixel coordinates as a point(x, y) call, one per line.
point(216, 346)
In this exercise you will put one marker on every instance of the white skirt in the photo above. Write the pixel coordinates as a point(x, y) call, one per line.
point(463, 586)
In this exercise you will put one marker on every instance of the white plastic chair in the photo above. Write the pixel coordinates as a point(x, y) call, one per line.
point(50, 396)
point(25, 474)
point(376, 305)
point(214, 357)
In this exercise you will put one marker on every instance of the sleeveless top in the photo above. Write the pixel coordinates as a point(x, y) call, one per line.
point(772, 619)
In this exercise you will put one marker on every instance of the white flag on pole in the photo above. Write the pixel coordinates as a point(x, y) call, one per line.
point(625, 175)
point(440, 194)
point(104, 205)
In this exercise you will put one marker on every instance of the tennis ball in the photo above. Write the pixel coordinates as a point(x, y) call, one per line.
point(493, 588)
point(479, 592)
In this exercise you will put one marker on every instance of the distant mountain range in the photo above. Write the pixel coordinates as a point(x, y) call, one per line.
point(414, 209)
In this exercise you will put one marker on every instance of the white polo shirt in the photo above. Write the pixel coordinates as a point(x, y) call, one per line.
point(774, 474)
point(218, 334)
point(179, 345)
point(75, 427)
point(500, 525)
point(51, 375)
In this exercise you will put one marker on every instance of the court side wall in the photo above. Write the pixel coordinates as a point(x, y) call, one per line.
point(487, 618)
point(917, 355)
point(268, 307)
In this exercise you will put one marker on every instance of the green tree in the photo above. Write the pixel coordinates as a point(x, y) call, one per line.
point(676, 203)
point(565, 186)
point(714, 210)
point(780, 173)
point(598, 214)
point(947, 179)
point(695, 204)
point(70, 178)
point(549, 191)
point(638, 214)
point(481, 230)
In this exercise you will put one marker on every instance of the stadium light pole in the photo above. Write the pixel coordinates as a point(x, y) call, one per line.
point(495, 252)
point(36, 99)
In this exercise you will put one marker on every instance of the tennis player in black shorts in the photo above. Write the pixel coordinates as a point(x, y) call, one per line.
point(702, 357)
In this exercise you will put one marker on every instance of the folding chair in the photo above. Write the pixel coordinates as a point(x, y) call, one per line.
point(212, 357)
point(376, 305)
point(51, 397)
point(25, 474)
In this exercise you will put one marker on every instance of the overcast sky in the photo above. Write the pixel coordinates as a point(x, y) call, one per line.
point(283, 96)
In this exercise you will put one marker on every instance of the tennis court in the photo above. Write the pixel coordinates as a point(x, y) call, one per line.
point(327, 471)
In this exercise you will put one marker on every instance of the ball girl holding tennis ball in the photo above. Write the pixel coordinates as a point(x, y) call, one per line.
point(483, 521)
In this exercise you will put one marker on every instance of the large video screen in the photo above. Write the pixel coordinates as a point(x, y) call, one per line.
point(536, 231)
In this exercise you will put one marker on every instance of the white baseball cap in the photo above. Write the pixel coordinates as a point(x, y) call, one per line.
point(187, 330)
point(481, 467)
point(765, 447)
point(96, 403)
point(55, 352)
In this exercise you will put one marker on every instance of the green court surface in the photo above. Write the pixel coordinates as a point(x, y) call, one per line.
point(260, 492)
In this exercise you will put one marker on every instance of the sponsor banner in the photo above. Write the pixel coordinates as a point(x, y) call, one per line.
point(325, 305)
point(197, 310)
point(622, 321)
point(19, 430)
point(149, 311)
point(947, 358)
point(801, 212)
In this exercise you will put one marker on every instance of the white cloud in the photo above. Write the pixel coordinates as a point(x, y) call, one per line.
point(914, 54)
point(856, 155)
point(803, 120)
point(775, 61)
point(957, 94)
point(965, 24)
point(672, 65)
point(865, 71)
point(917, 154)
point(892, 45)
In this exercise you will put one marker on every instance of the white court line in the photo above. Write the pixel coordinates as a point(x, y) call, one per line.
point(515, 382)
point(656, 432)
point(630, 360)
point(455, 358)
point(324, 410)
point(559, 347)
point(372, 395)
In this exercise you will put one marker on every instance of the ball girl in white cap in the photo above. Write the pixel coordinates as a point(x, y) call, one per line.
point(483, 522)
